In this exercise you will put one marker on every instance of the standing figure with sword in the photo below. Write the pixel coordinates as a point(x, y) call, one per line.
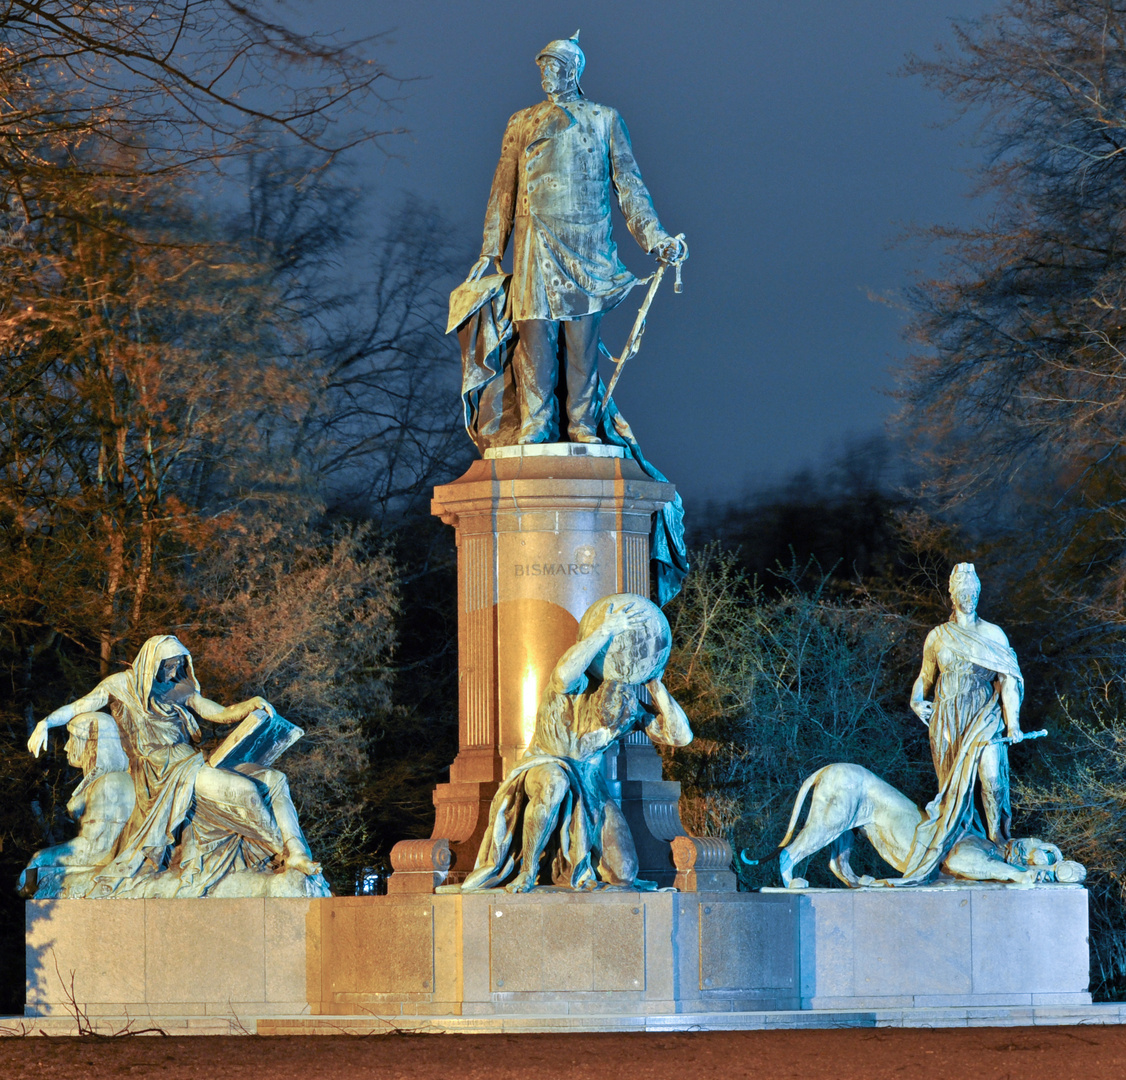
point(560, 161)
point(977, 690)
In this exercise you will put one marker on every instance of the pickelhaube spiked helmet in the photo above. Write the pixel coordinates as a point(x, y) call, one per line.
point(567, 50)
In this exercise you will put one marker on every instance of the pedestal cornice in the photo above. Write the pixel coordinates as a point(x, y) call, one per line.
point(546, 484)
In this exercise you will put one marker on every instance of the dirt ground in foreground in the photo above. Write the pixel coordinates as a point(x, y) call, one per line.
point(1090, 1053)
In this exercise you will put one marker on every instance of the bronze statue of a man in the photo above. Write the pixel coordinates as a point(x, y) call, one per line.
point(559, 161)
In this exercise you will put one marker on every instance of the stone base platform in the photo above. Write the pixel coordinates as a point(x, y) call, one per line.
point(779, 1020)
point(486, 954)
point(551, 961)
point(984, 945)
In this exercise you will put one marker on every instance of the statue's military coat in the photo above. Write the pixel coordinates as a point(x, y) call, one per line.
point(551, 192)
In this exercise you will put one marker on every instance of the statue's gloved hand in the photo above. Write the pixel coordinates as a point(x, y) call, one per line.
point(481, 267)
point(671, 249)
point(38, 740)
point(255, 703)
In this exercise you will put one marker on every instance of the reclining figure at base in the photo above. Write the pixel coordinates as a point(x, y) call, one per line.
point(155, 818)
point(556, 793)
point(847, 798)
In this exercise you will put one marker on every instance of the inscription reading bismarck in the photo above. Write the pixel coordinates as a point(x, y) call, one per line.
point(554, 569)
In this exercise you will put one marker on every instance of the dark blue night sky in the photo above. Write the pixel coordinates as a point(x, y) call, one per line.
point(777, 136)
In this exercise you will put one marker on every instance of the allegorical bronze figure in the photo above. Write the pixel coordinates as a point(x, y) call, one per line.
point(556, 795)
point(191, 828)
point(973, 674)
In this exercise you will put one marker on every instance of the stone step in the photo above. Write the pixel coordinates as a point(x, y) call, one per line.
point(973, 1016)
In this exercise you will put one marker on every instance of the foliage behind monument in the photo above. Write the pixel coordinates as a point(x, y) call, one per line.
point(189, 394)
point(1016, 396)
point(778, 685)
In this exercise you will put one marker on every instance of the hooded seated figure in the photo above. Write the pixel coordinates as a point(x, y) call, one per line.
point(192, 824)
point(101, 804)
point(556, 793)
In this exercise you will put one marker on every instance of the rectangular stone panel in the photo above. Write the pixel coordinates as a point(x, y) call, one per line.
point(285, 947)
point(474, 914)
point(748, 944)
point(101, 942)
point(567, 944)
point(1030, 940)
point(661, 947)
point(567, 947)
point(827, 943)
point(516, 944)
point(202, 950)
point(619, 947)
point(911, 941)
point(988, 943)
point(378, 945)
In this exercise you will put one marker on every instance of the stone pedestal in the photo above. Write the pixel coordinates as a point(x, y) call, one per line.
point(542, 532)
point(560, 954)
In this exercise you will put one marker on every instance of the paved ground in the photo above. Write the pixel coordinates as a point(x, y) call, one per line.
point(1061, 1053)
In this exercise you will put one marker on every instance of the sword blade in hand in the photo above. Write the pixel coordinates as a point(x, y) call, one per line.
point(1008, 739)
point(633, 342)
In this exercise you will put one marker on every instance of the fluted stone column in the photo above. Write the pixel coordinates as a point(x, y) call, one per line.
point(542, 532)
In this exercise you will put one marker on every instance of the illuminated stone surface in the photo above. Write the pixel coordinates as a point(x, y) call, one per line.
point(964, 954)
point(618, 953)
point(543, 532)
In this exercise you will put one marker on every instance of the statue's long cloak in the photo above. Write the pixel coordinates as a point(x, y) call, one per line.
point(960, 744)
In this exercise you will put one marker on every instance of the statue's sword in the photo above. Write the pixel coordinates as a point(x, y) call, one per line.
point(1007, 739)
point(633, 342)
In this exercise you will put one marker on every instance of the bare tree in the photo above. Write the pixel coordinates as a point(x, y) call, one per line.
point(1019, 394)
point(129, 364)
point(1020, 391)
point(180, 81)
point(778, 686)
point(181, 395)
point(305, 615)
point(368, 324)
